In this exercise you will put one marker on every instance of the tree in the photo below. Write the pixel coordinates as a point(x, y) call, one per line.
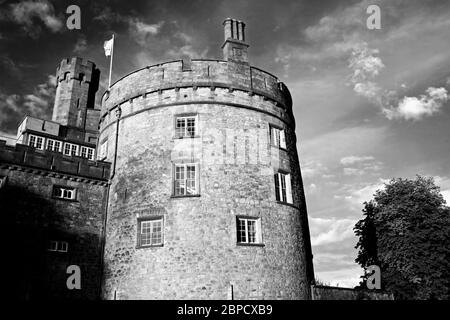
point(406, 231)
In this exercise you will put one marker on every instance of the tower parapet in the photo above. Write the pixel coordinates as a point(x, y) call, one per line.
point(211, 74)
point(77, 82)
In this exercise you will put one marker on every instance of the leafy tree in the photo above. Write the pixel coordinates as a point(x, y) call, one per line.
point(406, 231)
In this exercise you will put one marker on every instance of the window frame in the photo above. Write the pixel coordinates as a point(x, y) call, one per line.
point(103, 150)
point(283, 195)
point(87, 152)
point(64, 248)
point(185, 171)
point(53, 146)
point(65, 188)
point(280, 141)
point(151, 220)
point(258, 231)
point(77, 148)
point(35, 137)
point(186, 116)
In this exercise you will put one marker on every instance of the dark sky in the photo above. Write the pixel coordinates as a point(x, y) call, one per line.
point(369, 104)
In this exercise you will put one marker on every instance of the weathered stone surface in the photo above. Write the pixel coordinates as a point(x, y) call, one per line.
point(200, 258)
point(32, 217)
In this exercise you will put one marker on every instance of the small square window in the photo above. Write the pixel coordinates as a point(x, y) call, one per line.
point(186, 126)
point(150, 232)
point(248, 230)
point(57, 246)
point(66, 193)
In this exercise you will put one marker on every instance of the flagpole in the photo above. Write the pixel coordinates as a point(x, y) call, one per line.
point(110, 63)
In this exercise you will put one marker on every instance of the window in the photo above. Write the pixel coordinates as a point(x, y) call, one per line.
point(2, 181)
point(283, 189)
point(54, 145)
point(64, 193)
point(58, 246)
point(70, 149)
point(87, 152)
point(36, 142)
point(186, 126)
point(248, 230)
point(186, 179)
point(150, 232)
point(103, 150)
point(277, 137)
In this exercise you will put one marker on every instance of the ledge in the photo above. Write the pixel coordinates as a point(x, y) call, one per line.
point(239, 244)
point(287, 204)
point(149, 247)
point(186, 196)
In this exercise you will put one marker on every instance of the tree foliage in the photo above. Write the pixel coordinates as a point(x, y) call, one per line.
point(406, 231)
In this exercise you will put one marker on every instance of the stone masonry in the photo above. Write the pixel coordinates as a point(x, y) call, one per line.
point(200, 258)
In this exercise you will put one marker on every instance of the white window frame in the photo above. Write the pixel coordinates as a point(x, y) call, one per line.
point(89, 152)
point(283, 187)
point(277, 137)
point(66, 193)
point(182, 181)
point(71, 149)
point(2, 181)
point(53, 145)
point(150, 225)
point(103, 150)
point(183, 132)
point(34, 140)
point(248, 237)
point(58, 246)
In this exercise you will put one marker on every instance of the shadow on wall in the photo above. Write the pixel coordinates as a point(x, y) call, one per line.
point(30, 223)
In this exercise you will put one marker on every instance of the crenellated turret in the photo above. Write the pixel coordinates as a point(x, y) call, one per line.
point(76, 84)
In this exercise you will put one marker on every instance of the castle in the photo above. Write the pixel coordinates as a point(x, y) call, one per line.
point(185, 185)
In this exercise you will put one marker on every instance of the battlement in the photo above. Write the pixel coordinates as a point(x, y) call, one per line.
point(25, 156)
point(201, 73)
point(75, 68)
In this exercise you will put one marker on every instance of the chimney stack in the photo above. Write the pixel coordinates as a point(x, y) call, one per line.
point(235, 48)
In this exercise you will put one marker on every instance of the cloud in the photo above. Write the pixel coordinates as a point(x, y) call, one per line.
point(141, 31)
point(8, 137)
point(8, 66)
point(358, 194)
point(26, 13)
point(365, 66)
point(413, 108)
point(355, 159)
point(311, 168)
point(38, 104)
point(325, 231)
point(444, 183)
point(80, 45)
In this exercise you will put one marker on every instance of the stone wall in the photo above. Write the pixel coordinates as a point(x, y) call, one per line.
point(337, 293)
point(32, 217)
point(200, 258)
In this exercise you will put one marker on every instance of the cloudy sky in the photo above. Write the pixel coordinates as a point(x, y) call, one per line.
point(370, 104)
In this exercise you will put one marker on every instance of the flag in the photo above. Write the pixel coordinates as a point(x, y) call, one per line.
point(108, 47)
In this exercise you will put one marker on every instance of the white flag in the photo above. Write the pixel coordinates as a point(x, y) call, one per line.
point(108, 47)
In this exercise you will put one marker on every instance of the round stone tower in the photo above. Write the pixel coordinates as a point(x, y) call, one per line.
point(206, 197)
